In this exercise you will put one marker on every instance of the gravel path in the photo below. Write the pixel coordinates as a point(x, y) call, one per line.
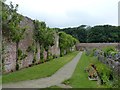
point(62, 74)
point(63, 86)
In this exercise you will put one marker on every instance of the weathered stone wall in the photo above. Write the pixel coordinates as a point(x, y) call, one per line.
point(10, 48)
point(55, 50)
point(27, 41)
point(82, 46)
point(112, 61)
point(9, 55)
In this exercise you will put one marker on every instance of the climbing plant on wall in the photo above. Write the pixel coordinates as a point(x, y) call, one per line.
point(44, 35)
point(12, 20)
point(39, 35)
point(49, 39)
point(66, 42)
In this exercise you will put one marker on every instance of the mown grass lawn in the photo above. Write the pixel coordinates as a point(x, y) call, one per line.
point(80, 77)
point(39, 71)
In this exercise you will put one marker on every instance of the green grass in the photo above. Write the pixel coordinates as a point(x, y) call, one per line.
point(80, 77)
point(39, 71)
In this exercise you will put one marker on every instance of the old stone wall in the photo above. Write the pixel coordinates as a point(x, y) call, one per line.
point(83, 46)
point(9, 55)
point(55, 50)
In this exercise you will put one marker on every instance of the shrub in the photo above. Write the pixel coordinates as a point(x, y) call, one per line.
point(93, 51)
point(41, 53)
point(107, 50)
point(50, 56)
point(105, 74)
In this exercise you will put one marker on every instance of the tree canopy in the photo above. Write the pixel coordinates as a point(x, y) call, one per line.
point(99, 33)
point(66, 42)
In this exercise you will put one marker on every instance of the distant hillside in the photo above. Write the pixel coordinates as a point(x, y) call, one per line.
point(96, 34)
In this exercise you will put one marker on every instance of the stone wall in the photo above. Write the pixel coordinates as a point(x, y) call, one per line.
point(55, 50)
point(9, 55)
point(82, 46)
point(112, 61)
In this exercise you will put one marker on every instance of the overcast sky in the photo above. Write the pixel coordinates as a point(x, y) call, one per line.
point(69, 13)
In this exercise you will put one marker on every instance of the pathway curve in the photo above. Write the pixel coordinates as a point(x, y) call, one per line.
point(62, 74)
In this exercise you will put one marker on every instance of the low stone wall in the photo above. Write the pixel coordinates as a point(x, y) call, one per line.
point(111, 61)
point(82, 46)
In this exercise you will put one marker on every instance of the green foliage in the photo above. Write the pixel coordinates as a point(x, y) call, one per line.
point(95, 34)
point(50, 56)
point(108, 50)
point(77, 32)
point(49, 38)
point(104, 73)
point(39, 31)
point(92, 51)
point(66, 42)
point(30, 48)
point(44, 35)
point(66, 82)
point(79, 78)
point(21, 55)
point(11, 21)
point(41, 53)
point(2, 0)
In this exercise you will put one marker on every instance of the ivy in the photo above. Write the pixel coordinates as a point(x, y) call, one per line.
point(29, 49)
point(21, 55)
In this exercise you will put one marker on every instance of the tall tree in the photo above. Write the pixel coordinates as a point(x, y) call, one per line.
point(99, 33)
point(66, 42)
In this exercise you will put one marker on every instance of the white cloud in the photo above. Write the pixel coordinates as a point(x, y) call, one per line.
point(64, 13)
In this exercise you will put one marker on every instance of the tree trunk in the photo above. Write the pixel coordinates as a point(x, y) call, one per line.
point(17, 65)
point(40, 47)
point(41, 52)
point(47, 55)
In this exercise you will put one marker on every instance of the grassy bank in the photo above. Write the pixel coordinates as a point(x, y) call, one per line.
point(80, 77)
point(39, 71)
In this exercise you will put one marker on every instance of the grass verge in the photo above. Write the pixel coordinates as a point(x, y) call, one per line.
point(80, 78)
point(39, 71)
